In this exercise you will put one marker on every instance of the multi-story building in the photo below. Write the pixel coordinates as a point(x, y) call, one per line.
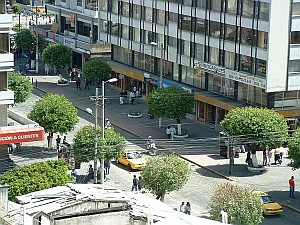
point(6, 64)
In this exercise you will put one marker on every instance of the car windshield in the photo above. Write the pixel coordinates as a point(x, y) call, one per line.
point(267, 199)
point(134, 155)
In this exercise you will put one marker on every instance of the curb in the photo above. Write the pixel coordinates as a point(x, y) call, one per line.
point(290, 207)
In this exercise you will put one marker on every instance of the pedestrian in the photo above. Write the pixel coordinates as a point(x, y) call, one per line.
point(74, 175)
point(140, 186)
point(277, 156)
point(187, 208)
point(10, 148)
point(292, 187)
point(172, 132)
point(134, 89)
point(58, 140)
point(27, 67)
point(168, 132)
point(248, 158)
point(125, 95)
point(269, 154)
point(90, 175)
point(87, 84)
point(107, 167)
point(18, 147)
point(265, 160)
point(48, 140)
point(107, 124)
point(134, 183)
point(78, 82)
point(121, 97)
point(181, 207)
point(20, 67)
point(132, 97)
point(47, 68)
point(137, 96)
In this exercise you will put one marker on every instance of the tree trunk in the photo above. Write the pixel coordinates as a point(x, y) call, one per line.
point(179, 125)
point(161, 197)
point(254, 160)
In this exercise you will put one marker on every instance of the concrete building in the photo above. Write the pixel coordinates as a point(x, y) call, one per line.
point(90, 204)
point(6, 64)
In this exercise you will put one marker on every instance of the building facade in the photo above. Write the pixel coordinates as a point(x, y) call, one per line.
point(228, 53)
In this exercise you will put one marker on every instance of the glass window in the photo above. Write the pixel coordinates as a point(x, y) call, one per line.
point(186, 23)
point(167, 68)
point(144, 62)
point(245, 64)
point(115, 6)
point(214, 29)
point(201, 4)
point(187, 75)
point(79, 3)
point(200, 26)
point(136, 34)
point(261, 67)
point(91, 5)
point(148, 14)
point(172, 41)
point(296, 9)
point(115, 29)
point(188, 2)
point(262, 41)
point(246, 36)
point(83, 28)
point(248, 6)
point(186, 48)
point(4, 43)
point(221, 86)
point(252, 95)
point(230, 32)
point(175, 72)
point(229, 59)
point(295, 37)
point(199, 53)
point(125, 9)
point(137, 12)
point(173, 17)
point(216, 5)
point(199, 79)
point(161, 14)
point(122, 55)
point(264, 11)
point(125, 32)
point(214, 55)
point(231, 6)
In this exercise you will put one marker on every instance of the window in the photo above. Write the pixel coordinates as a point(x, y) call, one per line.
point(188, 2)
point(83, 28)
point(91, 5)
point(295, 37)
point(246, 36)
point(201, 4)
point(216, 5)
point(264, 11)
point(261, 67)
point(137, 12)
point(115, 29)
point(115, 6)
point(199, 78)
point(187, 75)
point(161, 14)
point(230, 32)
point(122, 55)
point(125, 9)
point(148, 14)
point(136, 34)
point(231, 6)
point(201, 26)
point(229, 59)
point(262, 40)
point(214, 55)
point(172, 42)
point(125, 32)
point(186, 48)
point(199, 53)
point(246, 62)
point(79, 3)
point(296, 9)
point(185, 23)
point(4, 43)
point(248, 6)
point(173, 17)
point(144, 62)
point(214, 29)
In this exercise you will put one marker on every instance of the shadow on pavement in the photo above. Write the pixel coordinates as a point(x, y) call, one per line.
point(34, 152)
point(283, 197)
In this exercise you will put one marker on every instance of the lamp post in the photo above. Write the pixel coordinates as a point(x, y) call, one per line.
point(37, 42)
point(161, 70)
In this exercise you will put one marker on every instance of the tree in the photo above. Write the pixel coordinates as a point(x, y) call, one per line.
point(294, 149)
point(242, 205)
point(164, 173)
point(84, 144)
point(39, 176)
point(255, 126)
point(171, 102)
point(96, 71)
point(21, 86)
point(57, 55)
point(16, 8)
point(55, 113)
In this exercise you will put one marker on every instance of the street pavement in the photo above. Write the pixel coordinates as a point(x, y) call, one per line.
point(201, 148)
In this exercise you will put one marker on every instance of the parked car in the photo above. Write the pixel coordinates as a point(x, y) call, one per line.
point(270, 207)
point(133, 160)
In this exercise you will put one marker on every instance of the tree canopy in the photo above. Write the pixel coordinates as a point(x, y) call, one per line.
point(256, 125)
point(294, 149)
point(55, 113)
point(96, 71)
point(39, 176)
point(164, 173)
point(57, 55)
point(16, 8)
point(242, 205)
point(84, 144)
point(171, 102)
point(21, 86)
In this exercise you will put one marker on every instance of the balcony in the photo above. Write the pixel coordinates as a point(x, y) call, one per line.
point(7, 97)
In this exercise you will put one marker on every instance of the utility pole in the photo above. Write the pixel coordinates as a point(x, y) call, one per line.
point(103, 134)
point(37, 42)
point(96, 137)
point(161, 75)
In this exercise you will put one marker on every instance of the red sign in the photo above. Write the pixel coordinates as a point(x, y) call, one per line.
point(19, 135)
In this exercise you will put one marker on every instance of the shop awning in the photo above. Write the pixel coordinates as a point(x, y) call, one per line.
point(9, 135)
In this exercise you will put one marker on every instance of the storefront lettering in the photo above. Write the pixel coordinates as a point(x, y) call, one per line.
point(237, 76)
point(212, 68)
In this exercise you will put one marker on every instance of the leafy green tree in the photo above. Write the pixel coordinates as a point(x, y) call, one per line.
point(21, 86)
point(84, 144)
point(242, 205)
point(39, 176)
point(164, 173)
point(16, 8)
point(57, 55)
point(255, 126)
point(294, 149)
point(55, 113)
point(171, 102)
point(96, 71)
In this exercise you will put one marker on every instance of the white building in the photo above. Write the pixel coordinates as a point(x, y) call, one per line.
point(90, 204)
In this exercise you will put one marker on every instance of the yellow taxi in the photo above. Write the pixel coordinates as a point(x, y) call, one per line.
point(270, 207)
point(133, 160)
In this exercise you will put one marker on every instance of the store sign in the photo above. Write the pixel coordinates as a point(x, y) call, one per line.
point(19, 135)
point(210, 68)
point(69, 42)
point(166, 83)
point(246, 79)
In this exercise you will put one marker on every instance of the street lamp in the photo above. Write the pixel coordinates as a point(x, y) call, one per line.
point(96, 98)
point(161, 69)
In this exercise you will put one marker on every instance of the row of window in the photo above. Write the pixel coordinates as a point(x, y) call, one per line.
point(246, 8)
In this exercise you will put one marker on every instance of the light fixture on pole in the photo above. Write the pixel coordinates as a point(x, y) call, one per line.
point(37, 42)
point(161, 70)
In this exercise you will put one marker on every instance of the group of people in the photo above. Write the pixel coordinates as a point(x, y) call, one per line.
point(171, 131)
point(136, 183)
point(133, 95)
point(185, 208)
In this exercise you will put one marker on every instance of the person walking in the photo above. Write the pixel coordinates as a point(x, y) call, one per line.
point(58, 140)
point(265, 160)
point(46, 69)
point(269, 153)
point(187, 208)
point(140, 186)
point(78, 82)
point(74, 175)
point(172, 132)
point(135, 182)
point(277, 156)
point(168, 132)
point(181, 207)
point(107, 166)
point(132, 97)
point(292, 187)
point(90, 174)
point(87, 84)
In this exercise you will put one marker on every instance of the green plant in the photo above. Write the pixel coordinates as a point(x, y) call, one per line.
point(39, 176)
point(164, 173)
point(21, 86)
point(294, 149)
point(16, 8)
point(96, 71)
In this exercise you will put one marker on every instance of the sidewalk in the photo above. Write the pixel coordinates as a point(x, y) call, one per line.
point(201, 147)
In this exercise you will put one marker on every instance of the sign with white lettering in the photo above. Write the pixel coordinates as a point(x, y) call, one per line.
point(69, 42)
point(9, 136)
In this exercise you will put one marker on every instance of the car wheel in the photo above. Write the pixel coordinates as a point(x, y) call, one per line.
point(129, 167)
